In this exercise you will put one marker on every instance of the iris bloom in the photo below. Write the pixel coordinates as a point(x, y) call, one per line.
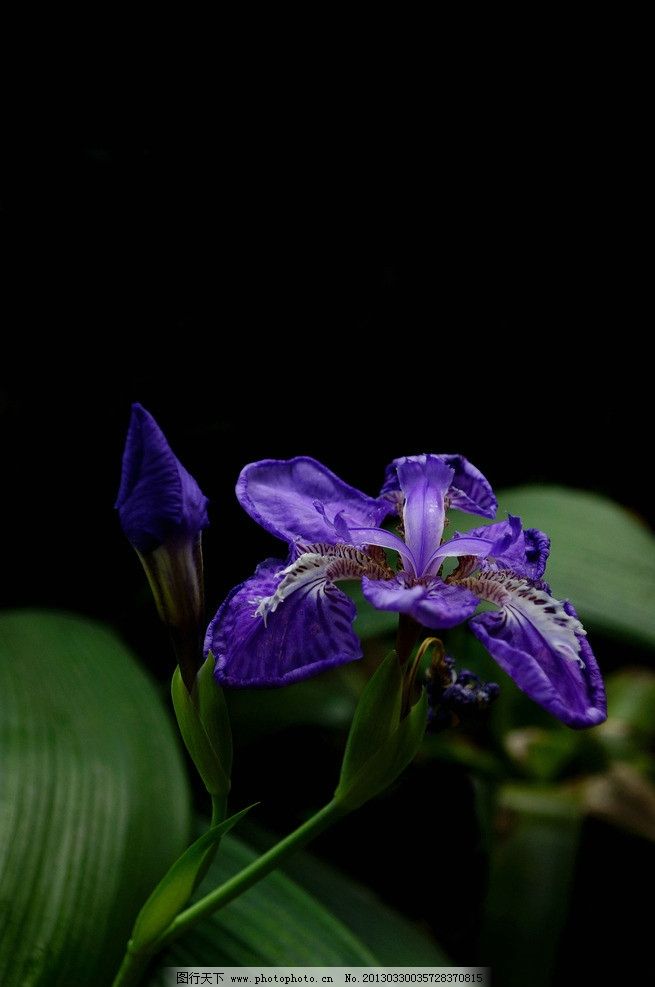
point(163, 512)
point(290, 620)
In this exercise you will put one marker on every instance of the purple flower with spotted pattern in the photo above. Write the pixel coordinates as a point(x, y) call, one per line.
point(290, 620)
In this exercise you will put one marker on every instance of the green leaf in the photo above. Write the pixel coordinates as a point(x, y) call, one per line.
point(174, 890)
point(214, 714)
point(376, 717)
point(602, 558)
point(94, 804)
point(388, 761)
point(275, 923)
point(532, 865)
point(210, 762)
point(393, 939)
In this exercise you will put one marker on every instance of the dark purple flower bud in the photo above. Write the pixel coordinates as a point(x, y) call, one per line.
point(158, 500)
point(163, 512)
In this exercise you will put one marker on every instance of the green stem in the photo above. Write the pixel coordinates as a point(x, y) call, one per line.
point(254, 872)
point(134, 965)
point(219, 813)
point(132, 968)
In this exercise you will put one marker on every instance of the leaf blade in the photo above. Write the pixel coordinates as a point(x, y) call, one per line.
point(80, 729)
point(275, 923)
point(178, 884)
point(376, 717)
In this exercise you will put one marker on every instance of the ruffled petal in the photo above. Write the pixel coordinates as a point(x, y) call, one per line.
point(494, 540)
point(310, 631)
point(526, 555)
point(301, 498)
point(432, 603)
point(470, 491)
point(546, 653)
point(158, 500)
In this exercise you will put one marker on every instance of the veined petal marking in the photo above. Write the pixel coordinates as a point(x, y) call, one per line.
point(526, 601)
point(320, 563)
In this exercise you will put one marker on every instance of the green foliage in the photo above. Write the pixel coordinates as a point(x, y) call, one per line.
point(204, 726)
point(531, 874)
point(94, 805)
point(176, 887)
point(214, 714)
point(274, 923)
point(393, 940)
point(380, 744)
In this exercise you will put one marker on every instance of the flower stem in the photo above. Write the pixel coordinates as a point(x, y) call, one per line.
point(254, 872)
point(134, 964)
point(132, 968)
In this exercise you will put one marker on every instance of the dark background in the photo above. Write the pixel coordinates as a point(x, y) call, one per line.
point(273, 291)
point(327, 302)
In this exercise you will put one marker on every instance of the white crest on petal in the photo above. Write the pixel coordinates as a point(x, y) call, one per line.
point(546, 614)
point(319, 564)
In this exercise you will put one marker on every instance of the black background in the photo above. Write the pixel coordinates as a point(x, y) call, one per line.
point(267, 307)
point(278, 288)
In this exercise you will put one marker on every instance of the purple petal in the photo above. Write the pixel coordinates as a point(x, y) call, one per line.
point(529, 653)
point(470, 490)
point(526, 555)
point(361, 537)
point(301, 498)
point(310, 631)
point(494, 540)
point(432, 603)
point(424, 481)
point(158, 500)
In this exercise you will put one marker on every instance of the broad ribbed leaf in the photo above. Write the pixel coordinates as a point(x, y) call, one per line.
point(94, 805)
point(393, 939)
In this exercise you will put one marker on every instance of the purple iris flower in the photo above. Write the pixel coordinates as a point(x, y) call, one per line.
point(290, 620)
point(163, 512)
